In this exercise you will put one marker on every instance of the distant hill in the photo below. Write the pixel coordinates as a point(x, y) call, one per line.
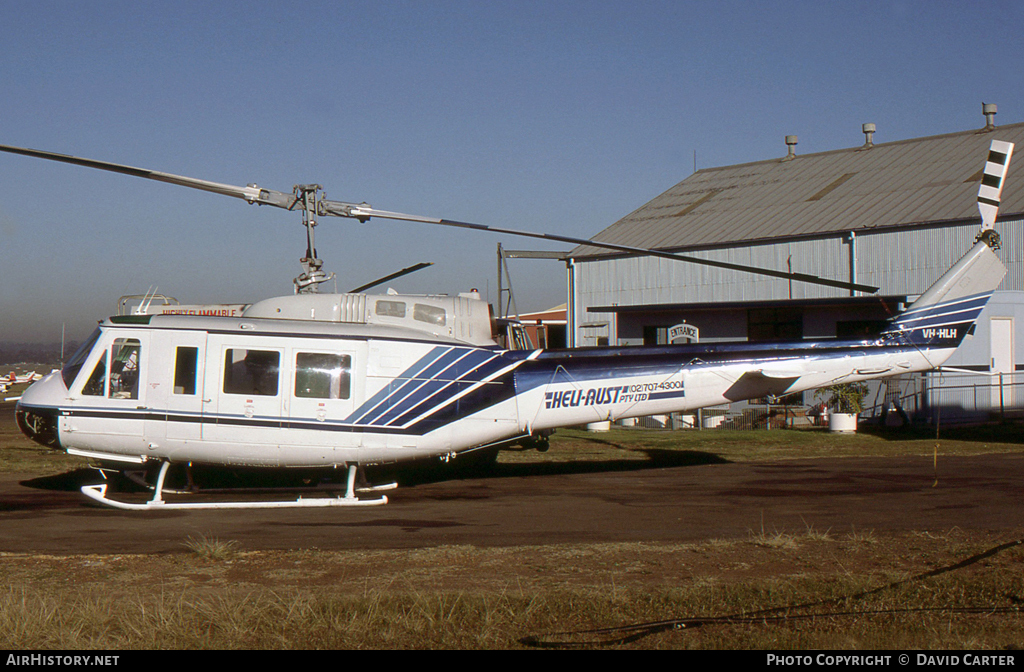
point(35, 353)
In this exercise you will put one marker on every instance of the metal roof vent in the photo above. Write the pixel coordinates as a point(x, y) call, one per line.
point(869, 132)
point(791, 141)
point(989, 110)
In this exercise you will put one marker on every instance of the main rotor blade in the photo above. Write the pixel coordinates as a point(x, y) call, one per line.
point(251, 193)
point(364, 213)
point(396, 274)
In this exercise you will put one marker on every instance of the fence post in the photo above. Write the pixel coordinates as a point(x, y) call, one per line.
point(1002, 406)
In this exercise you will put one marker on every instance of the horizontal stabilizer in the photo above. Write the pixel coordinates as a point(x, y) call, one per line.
point(753, 384)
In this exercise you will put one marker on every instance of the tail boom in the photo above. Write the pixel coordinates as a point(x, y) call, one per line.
point(597, 384)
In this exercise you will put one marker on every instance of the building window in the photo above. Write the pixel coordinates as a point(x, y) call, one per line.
point(859, 328)
point(775, 324)
point(655, 335)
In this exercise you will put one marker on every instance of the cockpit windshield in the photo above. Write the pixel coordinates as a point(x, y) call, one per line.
point(70, 370)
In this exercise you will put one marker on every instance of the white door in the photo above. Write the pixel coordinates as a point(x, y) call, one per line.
point(243, 382)
point(178, 388)
point(1002, 361)
point(110, 405)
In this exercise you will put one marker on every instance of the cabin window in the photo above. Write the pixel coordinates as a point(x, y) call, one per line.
point(322, 376)
point(185, 365)
point(251, 372)
point(429, 314)
point(96, 386)
point(125, 356)
point(390, 308)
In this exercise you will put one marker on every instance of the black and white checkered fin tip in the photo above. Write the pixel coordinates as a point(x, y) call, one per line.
point(999, 154)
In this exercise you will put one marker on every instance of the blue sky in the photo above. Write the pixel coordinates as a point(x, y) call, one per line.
point(546, 116)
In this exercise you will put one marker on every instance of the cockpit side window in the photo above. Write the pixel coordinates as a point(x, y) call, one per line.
point(124, 368)
point(96, 386)
point(74, 365)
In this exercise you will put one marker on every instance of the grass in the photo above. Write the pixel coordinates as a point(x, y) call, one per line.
point(211, 548)
point(394, 599)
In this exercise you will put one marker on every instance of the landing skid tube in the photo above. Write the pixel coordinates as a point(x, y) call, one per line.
point(99, 493)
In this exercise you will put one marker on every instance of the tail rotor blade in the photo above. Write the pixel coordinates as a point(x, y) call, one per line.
point(991, 188)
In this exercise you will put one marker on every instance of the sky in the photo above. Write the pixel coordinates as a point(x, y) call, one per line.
point(545, 116)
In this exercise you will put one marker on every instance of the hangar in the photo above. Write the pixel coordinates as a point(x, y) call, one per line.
point(893, 215)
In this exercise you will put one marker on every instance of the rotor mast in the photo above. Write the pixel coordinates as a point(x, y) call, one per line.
point(308, 282)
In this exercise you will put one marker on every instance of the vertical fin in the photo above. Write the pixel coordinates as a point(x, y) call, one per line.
point(944, 314)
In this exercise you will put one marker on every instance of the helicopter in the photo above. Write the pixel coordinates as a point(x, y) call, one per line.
point(348, 381)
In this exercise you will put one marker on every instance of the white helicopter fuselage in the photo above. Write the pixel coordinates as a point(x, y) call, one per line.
point(287, 394)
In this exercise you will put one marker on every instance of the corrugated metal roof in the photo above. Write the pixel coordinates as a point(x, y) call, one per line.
point(902, 183)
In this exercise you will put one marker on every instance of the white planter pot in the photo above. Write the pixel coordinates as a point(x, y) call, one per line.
point(713, 421)
point(842, 422)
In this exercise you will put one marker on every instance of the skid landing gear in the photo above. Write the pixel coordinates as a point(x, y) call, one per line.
point(99, 493)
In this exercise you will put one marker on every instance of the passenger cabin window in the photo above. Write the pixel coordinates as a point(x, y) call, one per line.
point(390, 308)
point(322, 376)
point(185, 365)
point(252, 372)
point(429, 314)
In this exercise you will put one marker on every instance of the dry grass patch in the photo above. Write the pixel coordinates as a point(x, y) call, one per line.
point(466, 597)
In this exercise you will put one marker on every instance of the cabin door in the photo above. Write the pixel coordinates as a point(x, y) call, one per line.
point(182, 389)
point(111, 403)
point(245, 388)
point(325, 384)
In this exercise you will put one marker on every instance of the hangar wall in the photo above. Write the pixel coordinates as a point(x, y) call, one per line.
point(901, 261)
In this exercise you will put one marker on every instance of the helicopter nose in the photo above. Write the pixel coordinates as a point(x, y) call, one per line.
point(38, 419)
point(38, 424)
